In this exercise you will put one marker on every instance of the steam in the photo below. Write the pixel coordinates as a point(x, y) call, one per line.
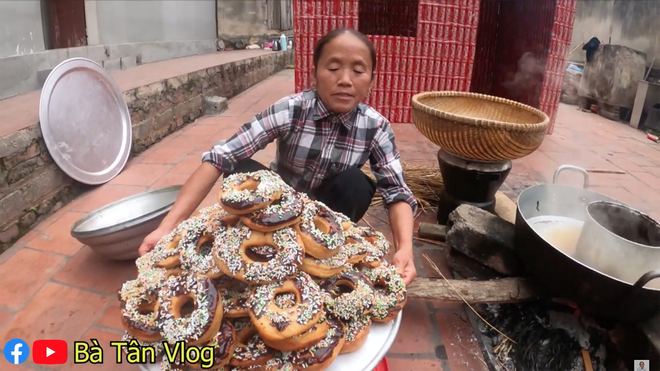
point(530, 72)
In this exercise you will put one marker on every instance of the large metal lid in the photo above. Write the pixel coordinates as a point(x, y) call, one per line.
point(85, 121)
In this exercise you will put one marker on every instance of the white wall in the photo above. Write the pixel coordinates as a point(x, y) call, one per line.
point(133, 21)
point(21, 30)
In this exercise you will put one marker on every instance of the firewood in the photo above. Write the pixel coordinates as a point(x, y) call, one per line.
point(431, 231)
point(504, 290)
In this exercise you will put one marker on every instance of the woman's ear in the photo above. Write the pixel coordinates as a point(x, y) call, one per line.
point(312, 77)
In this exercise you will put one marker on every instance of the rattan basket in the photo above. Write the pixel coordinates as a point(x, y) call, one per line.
point(477, 126)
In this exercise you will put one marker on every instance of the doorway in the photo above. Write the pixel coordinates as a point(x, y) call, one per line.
point(66, 23)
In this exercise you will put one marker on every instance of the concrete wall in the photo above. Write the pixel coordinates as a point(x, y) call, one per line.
point(630, 23)
point(21, 30)
point(242, 18)
point(121, 34)
point(138, 21)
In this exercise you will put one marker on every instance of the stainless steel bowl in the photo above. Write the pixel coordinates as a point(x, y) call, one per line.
point(116, 231)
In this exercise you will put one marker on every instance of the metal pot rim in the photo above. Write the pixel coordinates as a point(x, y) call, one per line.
point(124, 225)
point(622, 206)
point(563, 186)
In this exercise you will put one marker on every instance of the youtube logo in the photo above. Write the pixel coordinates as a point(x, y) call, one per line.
point(49, 352)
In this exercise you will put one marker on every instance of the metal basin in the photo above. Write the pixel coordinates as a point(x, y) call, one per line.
point(116, 231)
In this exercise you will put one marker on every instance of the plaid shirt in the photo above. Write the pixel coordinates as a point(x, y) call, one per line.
point(313, 143)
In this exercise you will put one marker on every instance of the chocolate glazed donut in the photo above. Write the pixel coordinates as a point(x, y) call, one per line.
point(246, 193)
point(320, 230)
point(390, 292)
point(203, 323)
point(322, 354)
point(139, 307)
point(350, 295)
point(275, 323)
point(283, 212)
point(223, 345)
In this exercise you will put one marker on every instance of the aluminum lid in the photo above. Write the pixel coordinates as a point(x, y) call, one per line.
point(85, 121)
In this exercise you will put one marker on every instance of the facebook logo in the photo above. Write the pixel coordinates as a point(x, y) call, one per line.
point(16, 351)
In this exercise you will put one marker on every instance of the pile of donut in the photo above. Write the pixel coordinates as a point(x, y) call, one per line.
point(269, 278)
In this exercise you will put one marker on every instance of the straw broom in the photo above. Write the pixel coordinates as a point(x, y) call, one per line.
point(424, 180)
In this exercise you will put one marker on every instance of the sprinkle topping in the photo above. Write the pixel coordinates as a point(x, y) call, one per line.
point(269, 184)
point(176, 327)
point(284, 264)
point(316, 209)
point(309, 305)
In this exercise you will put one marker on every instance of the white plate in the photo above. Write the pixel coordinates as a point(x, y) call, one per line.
point(378, 342)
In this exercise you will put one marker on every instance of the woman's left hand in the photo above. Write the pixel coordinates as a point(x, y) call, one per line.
point(403, 259)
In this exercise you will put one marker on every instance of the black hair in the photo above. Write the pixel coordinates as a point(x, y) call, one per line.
point(323, 41)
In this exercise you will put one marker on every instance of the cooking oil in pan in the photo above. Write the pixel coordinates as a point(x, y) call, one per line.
point(559, 231)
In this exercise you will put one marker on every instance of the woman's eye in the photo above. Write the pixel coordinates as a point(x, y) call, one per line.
point(358, 72)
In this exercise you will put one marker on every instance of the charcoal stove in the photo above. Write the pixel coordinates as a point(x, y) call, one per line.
point(469, 182)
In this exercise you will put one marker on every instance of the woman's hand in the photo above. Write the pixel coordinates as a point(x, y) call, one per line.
point(151, 240)
point(404, 261)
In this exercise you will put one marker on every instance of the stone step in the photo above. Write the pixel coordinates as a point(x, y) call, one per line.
point(162, 97)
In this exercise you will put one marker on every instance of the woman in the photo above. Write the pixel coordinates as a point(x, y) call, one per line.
point(324, 137)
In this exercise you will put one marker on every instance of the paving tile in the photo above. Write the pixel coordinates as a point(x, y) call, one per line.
point(104, 195)
point(141, 174)
point(187, 165)
point(640, 190)
point(414, 364)
point(458, 337)
point(648, 179)
point(111, 317)
point(655, 170)
point(201, 129)
point(416, 334)
point(165, 155)
point(170, 179)
point(57, 236)
point(24, 274)
point(109, 353)
point(5, 316)
point(55, 312)
point(619, 193)
point(91, 271)
point(625, 164)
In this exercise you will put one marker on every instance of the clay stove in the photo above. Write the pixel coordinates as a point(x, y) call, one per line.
point(469, 182)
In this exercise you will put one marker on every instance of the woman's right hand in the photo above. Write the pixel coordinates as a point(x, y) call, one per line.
point(151, 240)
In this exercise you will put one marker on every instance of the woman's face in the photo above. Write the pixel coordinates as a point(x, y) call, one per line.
point(343, 74)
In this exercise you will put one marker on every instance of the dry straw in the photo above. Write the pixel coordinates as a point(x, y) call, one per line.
point(424, 180)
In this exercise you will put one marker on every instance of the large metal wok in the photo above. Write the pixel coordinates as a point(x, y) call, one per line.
point(594, 292)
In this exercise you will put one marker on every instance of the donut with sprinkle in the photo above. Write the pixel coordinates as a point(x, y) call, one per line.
point(234, 255)
point(203, 322)
point(139, 307)
point(223, 344)
point(320, 355)
point(390, 292)
point(245, 193)
point(283, 212)
point(320, 230)
point(350, 295)
point(276, 323)
point(357, 330)
point(196, 247)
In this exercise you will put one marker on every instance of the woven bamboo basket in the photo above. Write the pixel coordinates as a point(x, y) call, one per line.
point(477, 126)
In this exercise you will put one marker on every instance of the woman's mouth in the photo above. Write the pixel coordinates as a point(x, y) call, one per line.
point(343, 96)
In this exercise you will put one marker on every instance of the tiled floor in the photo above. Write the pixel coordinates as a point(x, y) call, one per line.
point(53, 287)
